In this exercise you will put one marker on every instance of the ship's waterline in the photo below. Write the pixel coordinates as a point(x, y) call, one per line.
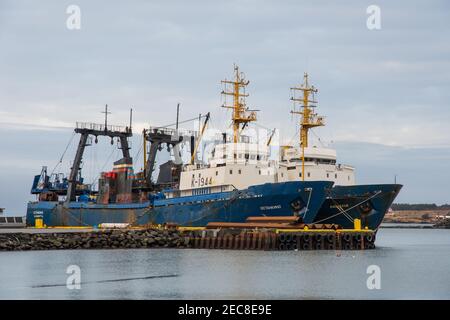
point(234, 206)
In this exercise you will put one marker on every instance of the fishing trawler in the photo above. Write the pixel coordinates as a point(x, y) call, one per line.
point(239, 180)
point(346, 201)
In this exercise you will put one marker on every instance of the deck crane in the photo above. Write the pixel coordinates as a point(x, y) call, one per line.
point(199, 138)
point(271, 136)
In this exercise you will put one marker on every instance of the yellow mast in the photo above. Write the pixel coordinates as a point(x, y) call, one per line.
point(309, 119)
point(241, 114)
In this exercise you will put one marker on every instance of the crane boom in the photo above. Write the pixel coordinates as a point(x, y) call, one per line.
point(271, 136)
point(199, 138)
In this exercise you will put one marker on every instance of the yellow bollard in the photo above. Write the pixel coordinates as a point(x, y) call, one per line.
point(38, 223)
point(357, 224)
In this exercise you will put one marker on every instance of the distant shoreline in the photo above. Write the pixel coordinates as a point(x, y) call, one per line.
point(406, 225)
point(418, 219)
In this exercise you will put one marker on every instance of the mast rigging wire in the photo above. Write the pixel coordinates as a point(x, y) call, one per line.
point(318, 138)
point(179, 122)
point(63, 154)
point(104, 165)
point(137, 155)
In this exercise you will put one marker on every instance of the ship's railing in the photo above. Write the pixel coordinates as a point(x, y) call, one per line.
point(314, 118)
point(173, 132)
point(258, 163)
point(101, 127)
point(242, 139)
point(196, 166)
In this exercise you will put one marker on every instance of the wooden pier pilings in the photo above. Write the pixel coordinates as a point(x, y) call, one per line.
point(280, 240)
point(278, 233)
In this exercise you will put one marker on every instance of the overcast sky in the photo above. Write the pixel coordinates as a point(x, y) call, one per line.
point(385, 93)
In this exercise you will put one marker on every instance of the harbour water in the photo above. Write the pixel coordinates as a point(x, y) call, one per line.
point(414, 264)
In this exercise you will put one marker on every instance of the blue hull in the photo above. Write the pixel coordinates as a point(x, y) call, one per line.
point(366, 202)
point(270, 199)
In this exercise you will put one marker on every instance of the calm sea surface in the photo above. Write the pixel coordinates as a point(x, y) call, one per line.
point(414, 263)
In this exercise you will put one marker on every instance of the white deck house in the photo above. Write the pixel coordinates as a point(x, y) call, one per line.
point(231, 166)
point(320, 164)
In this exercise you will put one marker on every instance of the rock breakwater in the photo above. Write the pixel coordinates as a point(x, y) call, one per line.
point(98, 239)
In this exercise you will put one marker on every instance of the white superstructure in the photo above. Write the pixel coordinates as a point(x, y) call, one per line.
point(237, 162)
point(231, 166)
point(311, 163)
point(320, 164)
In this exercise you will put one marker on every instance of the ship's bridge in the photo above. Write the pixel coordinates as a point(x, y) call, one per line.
point(314, 154)
point(320, 164)
point(231, 165)
point(244, 153)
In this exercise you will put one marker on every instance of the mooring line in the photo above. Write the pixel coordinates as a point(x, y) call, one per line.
point(345, 211)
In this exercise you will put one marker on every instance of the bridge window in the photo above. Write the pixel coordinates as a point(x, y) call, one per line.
point(201, 191)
